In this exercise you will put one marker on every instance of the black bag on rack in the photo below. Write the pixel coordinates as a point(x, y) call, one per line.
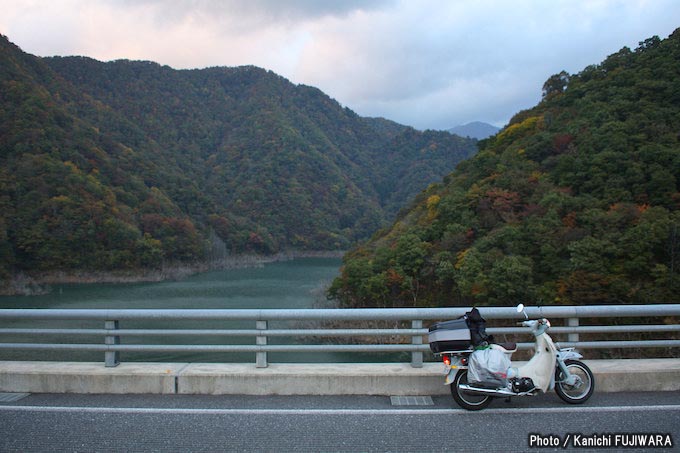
point(477, 326)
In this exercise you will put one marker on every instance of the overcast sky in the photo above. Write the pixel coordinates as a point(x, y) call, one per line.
point(427, 64)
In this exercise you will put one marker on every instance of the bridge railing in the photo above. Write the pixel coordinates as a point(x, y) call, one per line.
point(113, 331)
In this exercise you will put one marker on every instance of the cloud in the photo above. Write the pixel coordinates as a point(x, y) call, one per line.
point(434, 64)
point(427, 63)
point(246, 16)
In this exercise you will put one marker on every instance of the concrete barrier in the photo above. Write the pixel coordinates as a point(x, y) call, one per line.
point(86, 377)
point(293, 379)
point(312, 379)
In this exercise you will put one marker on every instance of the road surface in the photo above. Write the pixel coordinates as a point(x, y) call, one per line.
point(83, 423)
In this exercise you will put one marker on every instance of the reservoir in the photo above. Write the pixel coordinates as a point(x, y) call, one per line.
point(284, 284)
point(298, 283)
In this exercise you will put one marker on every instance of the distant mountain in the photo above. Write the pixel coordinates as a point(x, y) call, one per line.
point(131, 164)
point(575, 202)
point(476, 130)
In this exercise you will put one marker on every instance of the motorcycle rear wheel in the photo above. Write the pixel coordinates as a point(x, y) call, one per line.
point(575, 394)
point(468, 401)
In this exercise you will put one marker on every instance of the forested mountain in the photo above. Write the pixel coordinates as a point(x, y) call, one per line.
point(576, 201)
point(126, 164)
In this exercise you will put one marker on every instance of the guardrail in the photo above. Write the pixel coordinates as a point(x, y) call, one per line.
point(113, 347)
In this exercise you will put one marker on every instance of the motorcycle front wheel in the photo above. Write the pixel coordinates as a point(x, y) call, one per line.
point(466, 400)
point(585, 383)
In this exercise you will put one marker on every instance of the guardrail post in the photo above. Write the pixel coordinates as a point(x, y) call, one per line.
point(573, 337)
point(111, 358)
point(261, 357)
point(417, 357)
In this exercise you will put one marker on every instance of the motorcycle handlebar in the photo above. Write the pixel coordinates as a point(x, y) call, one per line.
point(533, 322)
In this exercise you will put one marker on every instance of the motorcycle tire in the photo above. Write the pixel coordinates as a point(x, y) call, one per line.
point(468, 401)
point(575, 394)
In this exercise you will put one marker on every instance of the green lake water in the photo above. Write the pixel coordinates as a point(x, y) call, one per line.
point(285, 284)
point(298, 283)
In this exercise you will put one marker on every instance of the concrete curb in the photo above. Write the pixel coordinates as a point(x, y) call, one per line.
point(293, 379)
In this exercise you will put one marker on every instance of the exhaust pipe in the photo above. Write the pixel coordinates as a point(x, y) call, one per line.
point(491, 392)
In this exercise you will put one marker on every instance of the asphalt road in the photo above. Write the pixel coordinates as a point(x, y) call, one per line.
point(84, 423)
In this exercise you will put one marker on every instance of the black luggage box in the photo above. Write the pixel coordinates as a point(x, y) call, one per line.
point(449, 336)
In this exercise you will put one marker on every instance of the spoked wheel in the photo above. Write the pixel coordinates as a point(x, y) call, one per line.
point(582, 389)
point(467, 400)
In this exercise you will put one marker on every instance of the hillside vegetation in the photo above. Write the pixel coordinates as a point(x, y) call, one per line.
point(131, 165)
point(576, 201)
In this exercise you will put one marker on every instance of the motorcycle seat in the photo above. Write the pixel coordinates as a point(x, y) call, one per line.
point(507, 346)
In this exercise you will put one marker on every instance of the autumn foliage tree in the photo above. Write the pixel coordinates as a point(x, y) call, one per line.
point(575, 201)
point(129, 164)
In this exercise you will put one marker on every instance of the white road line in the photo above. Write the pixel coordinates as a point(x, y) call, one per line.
point(200, 411)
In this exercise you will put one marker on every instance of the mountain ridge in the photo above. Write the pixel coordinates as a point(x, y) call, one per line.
point(475, 129)
point(124, 164)
point(576, 201)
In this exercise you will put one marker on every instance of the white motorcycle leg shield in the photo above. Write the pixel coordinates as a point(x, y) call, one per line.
point(541, 367)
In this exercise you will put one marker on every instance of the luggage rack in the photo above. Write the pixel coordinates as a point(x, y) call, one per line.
point(457, 351)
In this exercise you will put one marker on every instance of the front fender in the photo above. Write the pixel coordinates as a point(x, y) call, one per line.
point(568, 353)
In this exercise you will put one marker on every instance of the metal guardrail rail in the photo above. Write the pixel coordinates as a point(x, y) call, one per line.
point(113, 347)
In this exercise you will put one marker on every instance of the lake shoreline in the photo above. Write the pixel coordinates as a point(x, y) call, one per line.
point(38, 283)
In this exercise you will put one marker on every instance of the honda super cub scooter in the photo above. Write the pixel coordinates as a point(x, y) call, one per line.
point(476, 376)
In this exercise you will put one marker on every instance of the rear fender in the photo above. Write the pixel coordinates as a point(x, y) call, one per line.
point(458, 362)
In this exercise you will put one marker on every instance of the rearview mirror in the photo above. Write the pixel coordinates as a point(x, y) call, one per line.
point(520, 309)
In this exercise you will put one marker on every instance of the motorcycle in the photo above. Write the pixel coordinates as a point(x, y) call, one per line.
point(549, 368)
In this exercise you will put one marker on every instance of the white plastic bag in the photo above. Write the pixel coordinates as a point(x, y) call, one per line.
point(488, 367)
